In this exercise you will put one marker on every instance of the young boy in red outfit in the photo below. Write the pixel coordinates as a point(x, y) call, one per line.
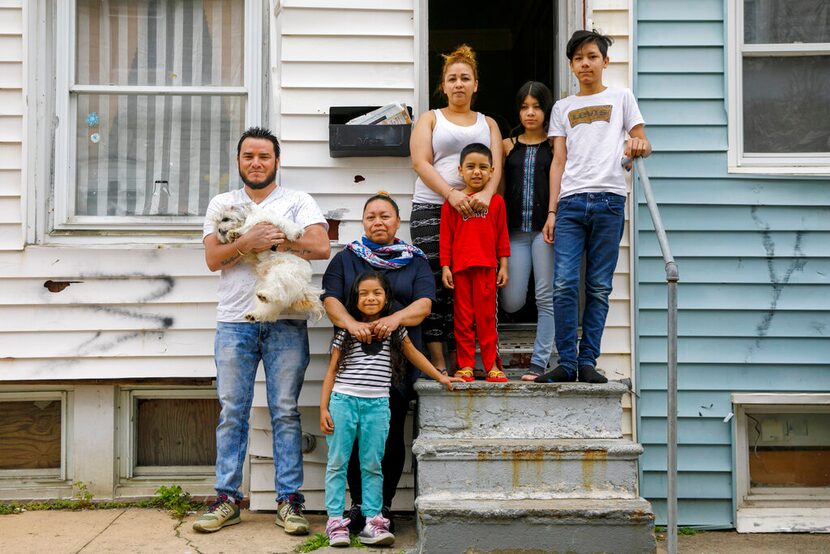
point(474, 250)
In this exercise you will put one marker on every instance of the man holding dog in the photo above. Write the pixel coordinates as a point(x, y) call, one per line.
point(281, 345)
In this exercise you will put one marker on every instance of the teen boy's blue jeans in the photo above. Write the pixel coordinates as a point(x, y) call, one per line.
point(282, 346)
point(590, 223)
point(367, 420)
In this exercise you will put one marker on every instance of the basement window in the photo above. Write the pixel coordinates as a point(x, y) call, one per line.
point(32, 435)
point(782, 461)
point(168, 433)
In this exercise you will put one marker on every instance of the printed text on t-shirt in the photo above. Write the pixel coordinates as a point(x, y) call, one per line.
point(590, 114)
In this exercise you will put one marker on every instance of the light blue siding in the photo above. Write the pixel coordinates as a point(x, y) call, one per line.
point(661, 86)
point(754, 259)
point(680, 33)
point(682, 60)
point(688, 11)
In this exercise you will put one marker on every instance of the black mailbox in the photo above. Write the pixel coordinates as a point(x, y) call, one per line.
point(365, 140)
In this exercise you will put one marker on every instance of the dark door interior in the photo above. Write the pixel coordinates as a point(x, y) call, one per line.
point(514, 43)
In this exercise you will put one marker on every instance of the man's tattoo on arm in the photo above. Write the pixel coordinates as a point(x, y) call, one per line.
point(232, 258)
point(298, 251)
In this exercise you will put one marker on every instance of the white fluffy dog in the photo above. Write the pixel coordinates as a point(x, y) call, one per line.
point(283, 279)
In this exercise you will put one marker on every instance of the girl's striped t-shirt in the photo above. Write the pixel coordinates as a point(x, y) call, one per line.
point(367, 368)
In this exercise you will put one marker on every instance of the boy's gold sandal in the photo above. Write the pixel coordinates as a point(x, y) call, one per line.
point(496, 376)
point(465, 374)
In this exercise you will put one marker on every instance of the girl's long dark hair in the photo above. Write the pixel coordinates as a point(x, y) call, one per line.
point(542, 94)
point(396, 346)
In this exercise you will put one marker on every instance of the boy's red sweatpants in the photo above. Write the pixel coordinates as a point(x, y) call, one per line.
point(475, 305)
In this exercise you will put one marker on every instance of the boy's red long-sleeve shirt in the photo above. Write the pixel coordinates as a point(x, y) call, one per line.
point(478, 241)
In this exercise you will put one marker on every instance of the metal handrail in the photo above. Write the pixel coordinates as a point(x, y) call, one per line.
point(672, 278)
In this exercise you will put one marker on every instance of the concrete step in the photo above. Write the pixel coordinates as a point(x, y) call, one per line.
point(538, 526)
point(529, 468)
point(520, 410)
point(516, 340)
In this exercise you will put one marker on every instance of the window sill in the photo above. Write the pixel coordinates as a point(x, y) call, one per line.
point(113, 239)
point(793, 518)
point(794, 171)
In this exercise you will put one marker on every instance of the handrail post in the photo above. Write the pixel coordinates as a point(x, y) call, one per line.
point(671, 406)
point(672, 278)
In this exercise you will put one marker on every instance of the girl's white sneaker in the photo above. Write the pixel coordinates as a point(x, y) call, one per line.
point(337, 530)
point(376, 532)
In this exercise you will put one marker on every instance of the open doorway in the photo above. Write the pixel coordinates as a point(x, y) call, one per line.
point(514, 43)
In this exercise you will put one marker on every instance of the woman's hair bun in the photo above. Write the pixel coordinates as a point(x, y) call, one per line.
point(463, 52)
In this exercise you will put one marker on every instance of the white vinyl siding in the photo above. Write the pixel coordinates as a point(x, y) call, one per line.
point(138, 309)
point(613, 18)
point(11, 124)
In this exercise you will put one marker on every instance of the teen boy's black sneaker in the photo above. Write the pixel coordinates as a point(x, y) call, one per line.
point(587, 374)
point(557, 375)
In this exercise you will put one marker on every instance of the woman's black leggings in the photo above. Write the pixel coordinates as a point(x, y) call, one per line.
point(393, 457)
point(424, 226)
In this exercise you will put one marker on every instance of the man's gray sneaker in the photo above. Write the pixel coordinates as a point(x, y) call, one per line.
point(221, 513)
point(290, 516)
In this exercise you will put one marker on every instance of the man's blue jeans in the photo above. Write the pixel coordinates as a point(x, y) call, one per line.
point(367, 420)
point(590, 223)
point(282, 346)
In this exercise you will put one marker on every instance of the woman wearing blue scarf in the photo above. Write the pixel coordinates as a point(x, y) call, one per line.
point(413, 289)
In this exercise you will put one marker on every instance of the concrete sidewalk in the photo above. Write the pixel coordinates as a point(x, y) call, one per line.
point(147, 530)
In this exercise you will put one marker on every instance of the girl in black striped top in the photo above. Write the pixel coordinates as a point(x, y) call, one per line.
point(354, 404)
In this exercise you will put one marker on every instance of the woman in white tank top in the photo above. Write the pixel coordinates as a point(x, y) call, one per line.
point(437, 141)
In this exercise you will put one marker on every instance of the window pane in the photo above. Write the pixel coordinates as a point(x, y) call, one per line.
point(785, 104)
point(160, 42)
point(786, 21)
point(30, 434)
point(176, 432)
point(789, 449)
point(141, 155)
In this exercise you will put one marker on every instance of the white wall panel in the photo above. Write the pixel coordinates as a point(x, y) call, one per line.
point(339, 22)
point(317, 101)
point(351, 4)
point(348, 75)
point(348, 49)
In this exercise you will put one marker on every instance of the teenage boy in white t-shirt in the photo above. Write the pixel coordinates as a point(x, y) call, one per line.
point(587, 202)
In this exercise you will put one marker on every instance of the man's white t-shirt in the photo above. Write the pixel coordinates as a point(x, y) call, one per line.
point(237, 283)
point(594, 127)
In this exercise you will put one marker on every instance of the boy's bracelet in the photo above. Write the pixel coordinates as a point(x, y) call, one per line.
point(552, 211)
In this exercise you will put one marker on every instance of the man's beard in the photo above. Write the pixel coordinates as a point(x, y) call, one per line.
point(257, 185)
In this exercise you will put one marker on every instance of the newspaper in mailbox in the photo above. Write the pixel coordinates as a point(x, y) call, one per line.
point(390, 114)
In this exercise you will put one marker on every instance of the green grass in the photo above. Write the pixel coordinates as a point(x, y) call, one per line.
point(176, 501)
point(687, 531)
point(312, 543)
point(320, 540)
point(172, 498)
